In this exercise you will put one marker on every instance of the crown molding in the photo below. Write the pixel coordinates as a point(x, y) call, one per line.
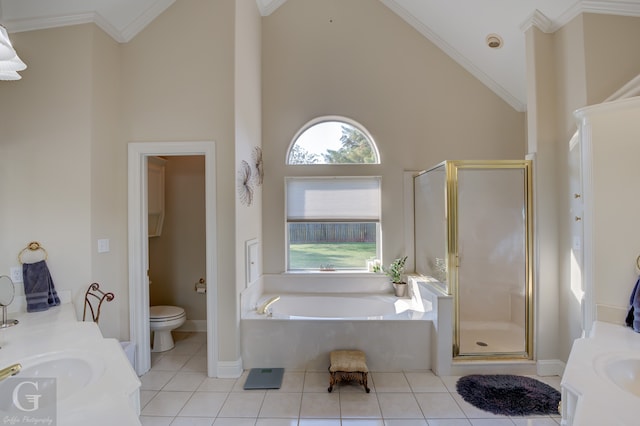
point(144, 19)
point(267, 7)
point(455, 55)
point(621, 8)
point(20, 25)
point(121, 35)
point(538, 20)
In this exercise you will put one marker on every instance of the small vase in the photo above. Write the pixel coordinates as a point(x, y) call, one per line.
point(400, 289)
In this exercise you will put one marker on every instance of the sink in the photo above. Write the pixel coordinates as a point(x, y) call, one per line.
point(73, 371)
point(623, 371)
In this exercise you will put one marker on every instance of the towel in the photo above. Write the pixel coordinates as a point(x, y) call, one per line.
point(633, 316)
point(38, 287)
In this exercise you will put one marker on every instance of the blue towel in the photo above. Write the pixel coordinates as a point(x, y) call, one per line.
point(633, 316)
point(38, 287)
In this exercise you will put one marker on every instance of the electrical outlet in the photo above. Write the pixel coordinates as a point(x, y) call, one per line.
point(103, 245)
point(16, 274)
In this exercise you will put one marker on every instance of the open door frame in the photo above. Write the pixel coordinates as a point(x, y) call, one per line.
point(138, 152)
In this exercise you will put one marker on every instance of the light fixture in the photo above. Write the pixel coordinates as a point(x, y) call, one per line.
point(10, 63)
point(6, 50)
point(494, 41)
point(9, 75)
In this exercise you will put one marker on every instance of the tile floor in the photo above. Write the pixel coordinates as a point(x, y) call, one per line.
point(176, 391)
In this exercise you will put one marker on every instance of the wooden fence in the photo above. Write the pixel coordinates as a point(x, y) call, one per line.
point(301, 233)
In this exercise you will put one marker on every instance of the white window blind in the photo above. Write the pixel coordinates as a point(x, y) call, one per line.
point(336, 199)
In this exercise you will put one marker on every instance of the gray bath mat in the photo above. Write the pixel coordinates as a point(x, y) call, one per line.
point(264, 378)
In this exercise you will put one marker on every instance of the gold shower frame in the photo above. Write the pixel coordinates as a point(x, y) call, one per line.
point(452, 253)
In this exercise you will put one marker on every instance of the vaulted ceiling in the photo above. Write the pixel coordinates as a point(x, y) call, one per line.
point(458, 27)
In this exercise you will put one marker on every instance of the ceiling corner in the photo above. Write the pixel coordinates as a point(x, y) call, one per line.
point(267, 7)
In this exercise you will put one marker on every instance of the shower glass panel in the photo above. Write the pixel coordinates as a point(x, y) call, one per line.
point(431, 225)
point(473, 238)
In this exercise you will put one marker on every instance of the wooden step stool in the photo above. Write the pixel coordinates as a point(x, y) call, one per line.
point(348, 366)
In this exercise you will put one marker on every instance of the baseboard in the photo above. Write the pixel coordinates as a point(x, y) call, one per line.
point(193, 325)
point(521, 367)
point(550, 367)
point(230, 369)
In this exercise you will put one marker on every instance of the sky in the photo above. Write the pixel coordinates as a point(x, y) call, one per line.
point(322, 136)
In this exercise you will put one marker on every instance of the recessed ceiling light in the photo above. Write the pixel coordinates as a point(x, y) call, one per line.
point(494, 41)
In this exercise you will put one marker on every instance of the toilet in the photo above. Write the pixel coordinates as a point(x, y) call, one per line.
point(163, 319)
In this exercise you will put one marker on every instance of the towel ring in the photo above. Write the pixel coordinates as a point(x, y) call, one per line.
point(638, 262)
point(32, 246)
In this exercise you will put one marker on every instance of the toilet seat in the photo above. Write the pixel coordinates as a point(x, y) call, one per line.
point(163, 313)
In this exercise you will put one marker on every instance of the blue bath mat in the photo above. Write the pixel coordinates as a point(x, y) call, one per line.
point(264, 378)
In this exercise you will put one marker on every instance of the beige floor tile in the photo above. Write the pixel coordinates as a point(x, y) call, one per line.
point(398, 405)
point(196, 363)
point(449, 422)
point(192, 421)
point(491, 422)
point(405, 422)
point(214, 384)
point(292, 381)
point(185, 381)
point(319, 422)
point(221, 421)
point(361, 406)
point(281, 405)
point(170, 362)
point(242, 404)
point(315, 381)
point(166, 403)
point(425, 382)
point(203, 404)
point(146, 396)
point(277, 422)
point(155, 421)
point(156, 380)
point(439, 406)
point(390, 382)
point(320, 405)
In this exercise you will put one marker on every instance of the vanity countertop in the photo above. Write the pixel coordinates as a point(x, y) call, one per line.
point(110, 398)
point(599, 400)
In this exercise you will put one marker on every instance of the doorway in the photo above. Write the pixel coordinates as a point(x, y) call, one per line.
point(138, 154)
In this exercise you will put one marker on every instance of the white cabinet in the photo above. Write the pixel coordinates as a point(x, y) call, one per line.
point(155, 197)
point(610, 148)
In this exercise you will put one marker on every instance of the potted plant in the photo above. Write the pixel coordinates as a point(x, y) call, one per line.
point(394, 272)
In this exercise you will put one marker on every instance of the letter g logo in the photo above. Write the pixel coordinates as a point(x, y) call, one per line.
point(32, 398)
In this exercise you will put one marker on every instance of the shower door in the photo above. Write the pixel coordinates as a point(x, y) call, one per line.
point(491, 231)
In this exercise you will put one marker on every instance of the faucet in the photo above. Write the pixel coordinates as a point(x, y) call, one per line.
point(11, 370)
point(262, 309)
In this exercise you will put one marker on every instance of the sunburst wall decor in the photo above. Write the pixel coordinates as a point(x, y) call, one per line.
point(245, 188)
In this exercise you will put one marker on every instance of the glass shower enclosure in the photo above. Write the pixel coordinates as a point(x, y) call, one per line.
point(473, 239)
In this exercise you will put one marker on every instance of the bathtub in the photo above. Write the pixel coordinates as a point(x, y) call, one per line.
point(341, 307)
point(301, 329)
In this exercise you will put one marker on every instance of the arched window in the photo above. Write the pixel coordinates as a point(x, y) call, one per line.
point(333, 222)
point(333, 140)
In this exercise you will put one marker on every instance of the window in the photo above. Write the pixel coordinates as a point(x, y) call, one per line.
point(333, 223)
point(332, 140)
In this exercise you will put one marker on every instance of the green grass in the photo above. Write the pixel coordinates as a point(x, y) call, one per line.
point(340, 255)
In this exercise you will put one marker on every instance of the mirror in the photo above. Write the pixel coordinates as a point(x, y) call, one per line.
point(7, 292)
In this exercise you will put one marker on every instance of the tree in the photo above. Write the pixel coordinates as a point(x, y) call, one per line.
point(355, 148)
point(299, 155)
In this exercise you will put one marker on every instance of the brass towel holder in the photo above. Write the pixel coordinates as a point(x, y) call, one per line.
point(32, 246)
